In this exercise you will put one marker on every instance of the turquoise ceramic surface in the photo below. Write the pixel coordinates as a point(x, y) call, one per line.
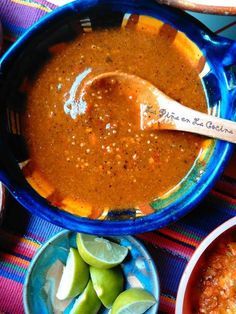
point(138, 268)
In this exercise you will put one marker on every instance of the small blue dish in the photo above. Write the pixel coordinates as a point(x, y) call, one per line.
point(218, 80)
point(138, 269)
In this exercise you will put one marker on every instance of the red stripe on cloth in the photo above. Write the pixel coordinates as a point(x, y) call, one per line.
point(167, 305)
point(230, 170)
point(227, 188)
point(11, 296)
point(19, 245)
point(25, 250)
point(14, 260)
point(47, 3)
point(223, 197)
point(164, 243)
point(180, 236)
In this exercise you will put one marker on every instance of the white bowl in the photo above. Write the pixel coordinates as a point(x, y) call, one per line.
point(183, 301)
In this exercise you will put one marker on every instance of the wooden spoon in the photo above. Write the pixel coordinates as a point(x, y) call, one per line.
point(158, 111)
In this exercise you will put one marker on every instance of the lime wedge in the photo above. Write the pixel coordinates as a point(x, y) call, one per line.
point(87, 302)
point(108, 284)
point(74, 277)
point(134, 300)
point(99, 252)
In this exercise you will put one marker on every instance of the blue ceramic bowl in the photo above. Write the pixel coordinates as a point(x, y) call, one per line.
point(138, 269)
point(218, 79)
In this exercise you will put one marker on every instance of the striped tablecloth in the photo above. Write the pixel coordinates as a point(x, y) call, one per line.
point(22, 234)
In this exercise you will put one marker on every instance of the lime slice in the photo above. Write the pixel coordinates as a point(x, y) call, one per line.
point(134, 300)
point(87, 302)
point(108, 284)
point(74, 277)
point(99, 252)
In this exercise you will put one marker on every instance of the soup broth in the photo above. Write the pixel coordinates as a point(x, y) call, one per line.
point(100, 159)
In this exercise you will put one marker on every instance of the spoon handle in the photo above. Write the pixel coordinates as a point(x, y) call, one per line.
point(174, 116)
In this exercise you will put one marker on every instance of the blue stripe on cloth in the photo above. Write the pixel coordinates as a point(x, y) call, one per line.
point(202, 216)
point(12, 29)
point(12, 276)
point(171, 268)
point(22, 256)
point(35, 227)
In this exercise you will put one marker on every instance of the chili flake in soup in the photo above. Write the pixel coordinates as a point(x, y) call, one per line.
point(99, 158)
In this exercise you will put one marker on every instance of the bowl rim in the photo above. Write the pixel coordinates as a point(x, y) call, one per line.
point(37, 205)
point(62, 234)
point(203, 246)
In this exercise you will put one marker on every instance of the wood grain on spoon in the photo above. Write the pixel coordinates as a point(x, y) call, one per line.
point(158, 111)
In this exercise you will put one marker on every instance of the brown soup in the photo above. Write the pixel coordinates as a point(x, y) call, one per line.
point(99, 159)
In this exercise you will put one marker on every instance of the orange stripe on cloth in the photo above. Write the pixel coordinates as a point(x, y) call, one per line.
point(15, 260)
point(178, 235)
point(167, 304)
point(11, 238)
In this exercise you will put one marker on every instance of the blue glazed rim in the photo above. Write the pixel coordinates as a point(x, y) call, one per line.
point(220, 54)
point(131, 240)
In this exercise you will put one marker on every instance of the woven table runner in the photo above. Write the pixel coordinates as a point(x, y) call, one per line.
point(22, 234)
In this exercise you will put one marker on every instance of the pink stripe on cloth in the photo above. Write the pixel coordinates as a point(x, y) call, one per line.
point(25, 250)
point(166, 305)
point(37, 237)
point(46, 3)
point(11, 296)
point(18, 244)
point(162, 242)
point(176, 235)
